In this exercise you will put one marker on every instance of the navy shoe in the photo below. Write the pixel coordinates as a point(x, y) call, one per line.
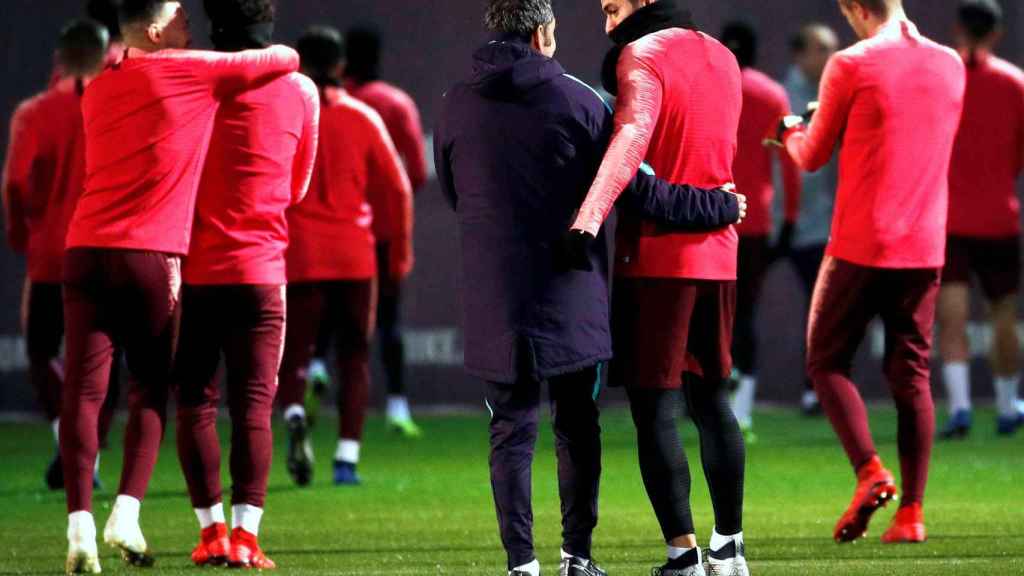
point(957, 427)
point(1008, 425)
point(345, 474)
point(573, 566)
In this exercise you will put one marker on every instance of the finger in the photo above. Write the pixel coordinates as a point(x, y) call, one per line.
point(730, 187)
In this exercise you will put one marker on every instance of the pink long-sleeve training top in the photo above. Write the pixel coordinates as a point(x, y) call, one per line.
point(894, 101)
point(680, 97)
point(148, 122)
point(260, 163)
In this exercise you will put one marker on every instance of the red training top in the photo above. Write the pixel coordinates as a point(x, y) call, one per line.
point(402, 119)
point(989, 152)
point(764, 103)
point(43, 177)
point(680, 97)
point(147, 129)
point(260, 162)
point(895, 100)
point(358, 174)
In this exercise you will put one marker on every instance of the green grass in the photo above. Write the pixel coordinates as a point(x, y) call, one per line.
point(425, 507)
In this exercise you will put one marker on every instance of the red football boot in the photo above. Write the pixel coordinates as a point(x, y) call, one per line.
point(875, 488)
point(246, 553)
point(907, 526)
point(213, 547)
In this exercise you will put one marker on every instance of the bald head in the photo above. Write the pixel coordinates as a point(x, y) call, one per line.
point(812, 47)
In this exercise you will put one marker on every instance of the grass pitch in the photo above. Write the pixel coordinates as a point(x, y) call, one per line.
point(425, 507)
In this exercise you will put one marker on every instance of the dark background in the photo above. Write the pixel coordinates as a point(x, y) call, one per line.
point(428, 48)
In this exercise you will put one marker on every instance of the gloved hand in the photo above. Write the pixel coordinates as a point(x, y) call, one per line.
point(786, 123)
point(574, 252)
point(784, 245)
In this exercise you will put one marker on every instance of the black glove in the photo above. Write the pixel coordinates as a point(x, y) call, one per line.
point(784, 245)
point(575, 250)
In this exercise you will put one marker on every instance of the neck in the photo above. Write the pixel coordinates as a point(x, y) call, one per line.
point(896, 14)
point(140, 43)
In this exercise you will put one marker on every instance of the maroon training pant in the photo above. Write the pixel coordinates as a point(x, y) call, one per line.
point(846, 298)
point(128, 299)
point(345, 309)
point(246, 325)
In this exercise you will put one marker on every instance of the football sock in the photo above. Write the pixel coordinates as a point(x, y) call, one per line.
point(347, 451)
point(210, 516)
point(1006, 395)
point(957, 377)
point(663, 464)
point(55, 426)
point(721, 448)
point(531, 568)
point(719, 541)
point(743, 400)
point(398, 408)
point(317, 368)
point(294, 410)
point(246, 517)
point(81, 526)
point(127, 508)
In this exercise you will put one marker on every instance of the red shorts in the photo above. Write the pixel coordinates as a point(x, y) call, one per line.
point(652, 321)
point(995, 261)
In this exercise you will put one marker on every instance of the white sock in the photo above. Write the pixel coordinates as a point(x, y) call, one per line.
point(565, 555)
point(294, 410)
point(398, 408)
point(96, 465)
point(209, 516)
point(718, 541)
point(126, 508)
point(675, 552)
point(55, 426)
point(347, 451)
point(957, 376)
point(531, 568)
point(809, 399)
point(743, 400)
point(1006, 394)
point(81, 527)
point(246, 517)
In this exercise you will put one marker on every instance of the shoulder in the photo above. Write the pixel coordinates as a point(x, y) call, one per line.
point(756, 81)
point(1007, 70)
point(362, 113)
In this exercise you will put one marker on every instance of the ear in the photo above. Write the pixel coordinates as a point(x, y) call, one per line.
point(538, 40)
point(154, 33)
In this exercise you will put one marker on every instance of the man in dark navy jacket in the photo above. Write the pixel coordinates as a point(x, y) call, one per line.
point(517, 147)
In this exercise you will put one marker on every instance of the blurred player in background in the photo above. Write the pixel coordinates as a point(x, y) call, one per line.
point(984, 220)
point(362, 80)
point(147, 126)
point(764, 102)
point(811, 48)
point(233, 300)
point(43, 178)
point(896, 128)
point(331, 258)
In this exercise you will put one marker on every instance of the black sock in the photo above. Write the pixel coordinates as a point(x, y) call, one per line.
point(721, 449)
point(663, 464)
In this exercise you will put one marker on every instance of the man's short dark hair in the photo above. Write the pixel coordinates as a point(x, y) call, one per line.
point(362, 53)
point(105, 12)
point(741, 39)
point(139, 11)
point(240, 12)
point(521, 17)
point(321, 49)
point(980, 18)
point(82, 47)
point(876, 7)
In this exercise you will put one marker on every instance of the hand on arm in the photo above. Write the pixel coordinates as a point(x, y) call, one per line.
point(682, 207)
point(232, 72)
